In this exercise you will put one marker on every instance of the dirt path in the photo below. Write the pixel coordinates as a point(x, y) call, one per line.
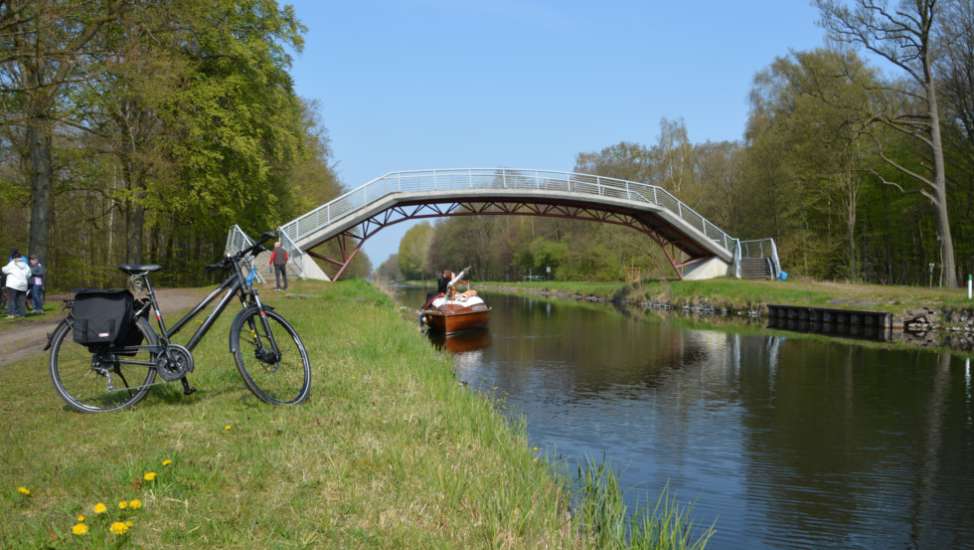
point(26, 338)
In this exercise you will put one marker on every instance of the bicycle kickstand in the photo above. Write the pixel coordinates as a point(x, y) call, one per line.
point(187, 389)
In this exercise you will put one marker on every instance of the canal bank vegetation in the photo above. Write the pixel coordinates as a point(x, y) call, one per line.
point(390, 451)
point(693, 311)
point(749, 295)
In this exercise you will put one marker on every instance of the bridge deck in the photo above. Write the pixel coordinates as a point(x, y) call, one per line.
point(659, 209)
point(653, 208)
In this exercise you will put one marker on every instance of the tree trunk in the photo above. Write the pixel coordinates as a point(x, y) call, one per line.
point(39, 144)
point(852, 198)
point(940, 179)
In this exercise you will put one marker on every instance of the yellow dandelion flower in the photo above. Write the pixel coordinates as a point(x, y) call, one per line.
point(100, 508)
point(81, 518)
point(167, 462)
point(79, 529)
point(129, 523)
point(123, 504)
point(24, 491)
point(149, 476)
point(118, 528)
point(135, 504)
point(227, 427)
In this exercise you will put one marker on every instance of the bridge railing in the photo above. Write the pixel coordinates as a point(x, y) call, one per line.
point(502, 178)
point(294, 253)
point(759, 248)
point(237, 240)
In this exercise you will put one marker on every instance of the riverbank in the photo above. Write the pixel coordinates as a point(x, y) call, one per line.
point(390, 451)
point(943, 308)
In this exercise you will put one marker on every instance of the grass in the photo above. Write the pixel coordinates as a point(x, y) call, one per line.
point(390, 452)
point(604, 516)
point(49, 309)
point(739, 294)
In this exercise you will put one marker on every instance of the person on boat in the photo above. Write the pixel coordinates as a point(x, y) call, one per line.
point(443, 283)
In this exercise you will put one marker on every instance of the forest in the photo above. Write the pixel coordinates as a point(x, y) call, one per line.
point(858, 158)
point(141, 130)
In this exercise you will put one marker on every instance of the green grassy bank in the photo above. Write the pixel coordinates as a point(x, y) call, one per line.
point(390, 451)
point(746, 294)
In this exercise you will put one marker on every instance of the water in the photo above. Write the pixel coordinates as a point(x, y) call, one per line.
point(785, 442)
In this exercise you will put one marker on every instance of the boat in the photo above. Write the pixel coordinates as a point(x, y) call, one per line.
point(451, 311)
point(464, 312)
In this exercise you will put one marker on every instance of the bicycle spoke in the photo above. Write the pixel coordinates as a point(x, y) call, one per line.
point(88, 382)
point(272, 359)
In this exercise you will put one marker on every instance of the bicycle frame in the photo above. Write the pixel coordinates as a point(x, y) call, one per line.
point(232, 285)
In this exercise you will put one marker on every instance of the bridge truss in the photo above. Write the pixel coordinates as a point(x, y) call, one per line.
point(350, 219)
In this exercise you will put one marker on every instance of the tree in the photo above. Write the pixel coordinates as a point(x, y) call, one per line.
point(903, 35)
point(414, 251)
point(811, 107)
point(389, 269)
point(45, 49)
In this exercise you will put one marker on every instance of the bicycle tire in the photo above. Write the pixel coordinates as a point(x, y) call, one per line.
point(271, 382)
point(66, 356)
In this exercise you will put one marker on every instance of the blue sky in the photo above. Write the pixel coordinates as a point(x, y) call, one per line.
point(529, 84)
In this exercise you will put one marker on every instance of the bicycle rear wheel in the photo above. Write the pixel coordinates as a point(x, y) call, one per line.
point(103, 382)
point(280, 378)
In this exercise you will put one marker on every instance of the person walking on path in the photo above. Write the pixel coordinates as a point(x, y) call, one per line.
point(279, 261)
point(17, 273)
point(37, 275)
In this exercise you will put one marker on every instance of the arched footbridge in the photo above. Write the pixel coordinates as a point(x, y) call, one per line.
point(695, 247)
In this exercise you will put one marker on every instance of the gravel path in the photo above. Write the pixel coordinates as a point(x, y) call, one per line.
point(26, 338)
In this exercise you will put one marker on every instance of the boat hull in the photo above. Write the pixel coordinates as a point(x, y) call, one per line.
point(456, 320)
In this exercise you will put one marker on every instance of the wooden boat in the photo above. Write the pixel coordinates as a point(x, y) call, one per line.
point(455, 316)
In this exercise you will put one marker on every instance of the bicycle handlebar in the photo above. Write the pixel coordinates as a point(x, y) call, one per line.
point(255, 249)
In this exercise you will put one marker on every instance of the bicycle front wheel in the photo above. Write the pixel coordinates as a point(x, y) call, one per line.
point(271, 357)
point(102, 382)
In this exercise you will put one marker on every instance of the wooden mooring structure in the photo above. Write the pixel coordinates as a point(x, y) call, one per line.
point(872, 325)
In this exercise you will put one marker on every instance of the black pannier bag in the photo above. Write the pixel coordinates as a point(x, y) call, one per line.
point(105, 319)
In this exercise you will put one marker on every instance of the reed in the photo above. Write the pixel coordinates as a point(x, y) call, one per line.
point(602, 518)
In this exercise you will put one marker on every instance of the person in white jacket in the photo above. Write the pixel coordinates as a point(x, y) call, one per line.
point(17, 273)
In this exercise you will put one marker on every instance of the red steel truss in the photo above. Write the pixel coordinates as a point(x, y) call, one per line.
point(351, 240)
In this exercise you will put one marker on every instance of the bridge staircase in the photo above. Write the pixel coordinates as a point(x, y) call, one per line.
point(756, 268)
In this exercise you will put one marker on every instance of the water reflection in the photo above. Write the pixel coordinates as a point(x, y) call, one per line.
point(460, 342)
point(786, 442)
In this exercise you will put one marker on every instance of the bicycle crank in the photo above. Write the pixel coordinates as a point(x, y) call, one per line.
point(174, 363)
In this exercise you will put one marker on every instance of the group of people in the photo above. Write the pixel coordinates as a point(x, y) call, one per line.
point(23, 278)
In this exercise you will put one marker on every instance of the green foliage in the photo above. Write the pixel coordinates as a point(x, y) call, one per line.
point(604, 520)
point(191, 124)
point(414, 248)
point(389, 269)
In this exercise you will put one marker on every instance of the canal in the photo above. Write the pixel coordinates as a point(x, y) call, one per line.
point(784, 442)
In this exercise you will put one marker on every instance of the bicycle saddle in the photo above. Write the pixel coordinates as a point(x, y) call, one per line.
point(132, 269)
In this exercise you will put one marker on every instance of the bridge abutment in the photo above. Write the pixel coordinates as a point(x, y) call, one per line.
point(706, 268)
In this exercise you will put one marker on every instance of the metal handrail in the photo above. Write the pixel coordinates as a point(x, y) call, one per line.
point(502, 178)
point(294, 253)
point(237, 240)
point(762, 248)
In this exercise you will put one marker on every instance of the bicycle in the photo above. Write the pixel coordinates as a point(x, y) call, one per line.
point(268, 352)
